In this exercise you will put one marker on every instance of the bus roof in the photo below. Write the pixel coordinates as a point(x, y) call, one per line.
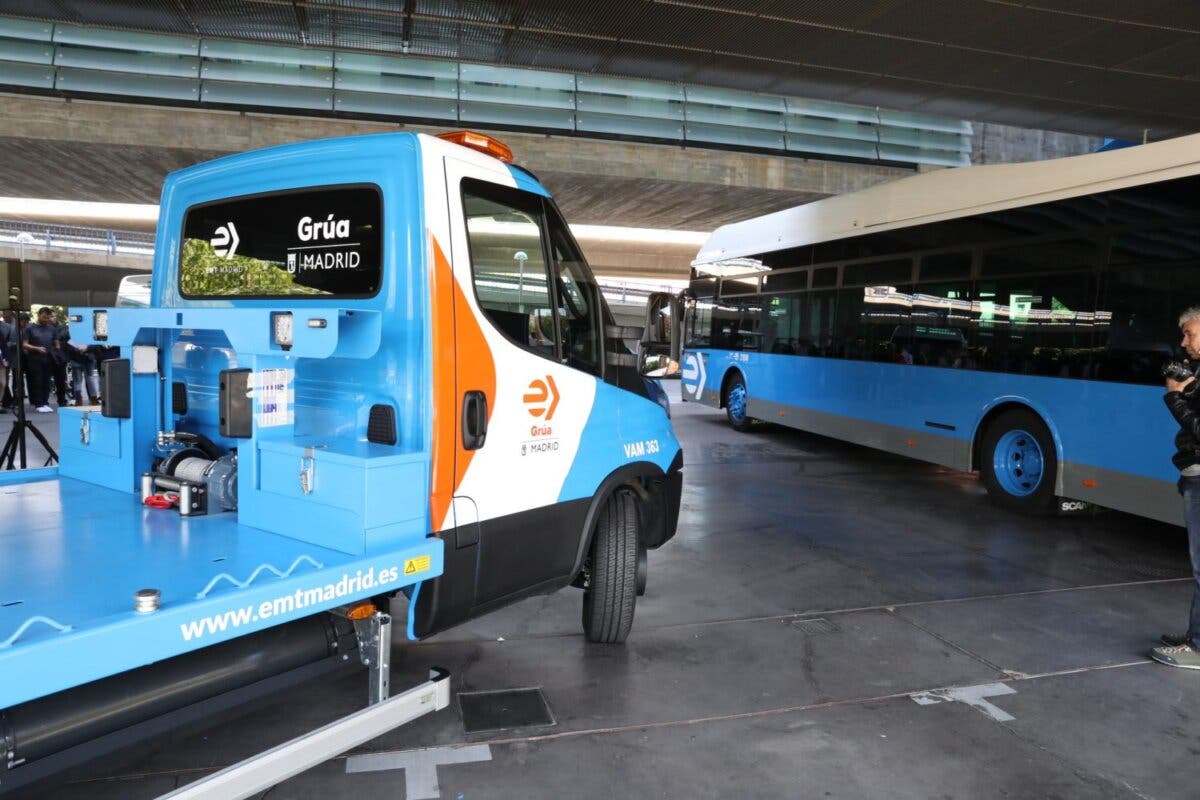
point(950, 193)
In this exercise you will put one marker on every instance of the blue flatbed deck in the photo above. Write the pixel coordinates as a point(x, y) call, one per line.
point(75, 553)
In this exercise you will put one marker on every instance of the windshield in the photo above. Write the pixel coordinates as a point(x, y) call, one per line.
point(134, 292)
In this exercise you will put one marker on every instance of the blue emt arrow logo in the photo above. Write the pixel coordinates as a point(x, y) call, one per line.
point(225, 240)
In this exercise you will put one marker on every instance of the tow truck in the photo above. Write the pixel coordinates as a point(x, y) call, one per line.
point(374, 377)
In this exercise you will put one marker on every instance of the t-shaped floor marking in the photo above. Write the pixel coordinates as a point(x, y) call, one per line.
point(420, 766)
point(972, 696)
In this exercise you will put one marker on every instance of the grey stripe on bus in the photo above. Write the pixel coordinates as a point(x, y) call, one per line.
point(1146, 497)
point(933, 447)
point(1134, 494)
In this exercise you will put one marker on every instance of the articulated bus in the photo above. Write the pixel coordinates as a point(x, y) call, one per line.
point(1010, 319)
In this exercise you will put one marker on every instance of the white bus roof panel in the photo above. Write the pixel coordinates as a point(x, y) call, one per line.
point(950, 193)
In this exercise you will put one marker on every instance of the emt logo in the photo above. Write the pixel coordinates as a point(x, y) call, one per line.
point(541, 397)
point(225, 240)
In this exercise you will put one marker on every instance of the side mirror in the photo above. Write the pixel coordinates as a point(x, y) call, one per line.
point(660, 348)
point(655, 361)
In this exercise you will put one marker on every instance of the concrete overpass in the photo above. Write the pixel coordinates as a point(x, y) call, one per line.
point(74, 266)
point(119, 152)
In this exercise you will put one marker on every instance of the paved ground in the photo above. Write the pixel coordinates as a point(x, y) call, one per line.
point(35, 452)
point(829, 622)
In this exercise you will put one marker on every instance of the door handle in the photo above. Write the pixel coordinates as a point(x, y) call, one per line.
point(474, 420)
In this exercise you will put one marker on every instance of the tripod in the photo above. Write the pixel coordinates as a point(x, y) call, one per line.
point(16, 438)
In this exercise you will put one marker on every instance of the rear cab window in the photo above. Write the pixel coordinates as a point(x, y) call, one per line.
point(302, 244)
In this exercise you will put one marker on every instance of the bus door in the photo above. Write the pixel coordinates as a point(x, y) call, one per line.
point(520, 405)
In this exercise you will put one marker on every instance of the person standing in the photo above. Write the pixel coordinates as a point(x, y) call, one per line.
point(62, 335)
point(1183, 400)
point(7, 332)
point(39, 341)
point(8, 348)
point(85, 372)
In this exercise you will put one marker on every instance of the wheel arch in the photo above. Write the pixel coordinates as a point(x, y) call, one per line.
point(1001, 405)
point(728, 378)
point(629, 477)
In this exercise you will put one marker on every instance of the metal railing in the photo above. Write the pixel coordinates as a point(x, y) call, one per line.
point(109, 241)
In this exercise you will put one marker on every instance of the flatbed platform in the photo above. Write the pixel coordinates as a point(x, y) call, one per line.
point(75, 554)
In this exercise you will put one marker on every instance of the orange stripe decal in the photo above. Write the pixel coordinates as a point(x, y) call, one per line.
point(471, 369)
point(445, 393)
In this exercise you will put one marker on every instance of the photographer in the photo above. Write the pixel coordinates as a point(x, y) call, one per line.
point(1183, 400)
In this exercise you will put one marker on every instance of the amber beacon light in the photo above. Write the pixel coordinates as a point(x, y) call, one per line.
point(480, 142)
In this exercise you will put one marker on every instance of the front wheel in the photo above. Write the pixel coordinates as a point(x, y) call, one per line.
point(736, 400)
point(611, 590)
point(1019, 463)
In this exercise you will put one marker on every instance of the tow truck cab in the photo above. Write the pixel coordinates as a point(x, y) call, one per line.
point(369, 367)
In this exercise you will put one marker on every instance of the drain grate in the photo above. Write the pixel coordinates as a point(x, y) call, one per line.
point(484, 712)
point(814, 627)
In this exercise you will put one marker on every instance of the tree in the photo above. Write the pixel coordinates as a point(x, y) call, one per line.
point(204, 273)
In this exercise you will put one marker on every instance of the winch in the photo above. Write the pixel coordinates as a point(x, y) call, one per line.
point(195, 477)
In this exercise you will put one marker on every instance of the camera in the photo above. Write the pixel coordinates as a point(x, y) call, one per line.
point(1178, 370)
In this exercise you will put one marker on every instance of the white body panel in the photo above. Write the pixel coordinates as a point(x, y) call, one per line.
point(950, 193)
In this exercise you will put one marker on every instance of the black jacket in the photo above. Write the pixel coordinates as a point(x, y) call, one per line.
point(1185, 408)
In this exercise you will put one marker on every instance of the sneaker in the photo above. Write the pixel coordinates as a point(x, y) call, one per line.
point(1182, 656)
point(1174, 639)
point(43, 409)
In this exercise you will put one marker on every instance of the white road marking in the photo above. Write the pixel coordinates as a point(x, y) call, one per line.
point(420, 766)
point(972, 696)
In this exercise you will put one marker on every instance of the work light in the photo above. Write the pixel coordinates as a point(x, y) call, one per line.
point(100, 326)
point(281, 327)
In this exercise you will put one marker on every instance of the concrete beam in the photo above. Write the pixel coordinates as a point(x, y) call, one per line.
point(120, 152)
point(234, 131)
point(633, 260)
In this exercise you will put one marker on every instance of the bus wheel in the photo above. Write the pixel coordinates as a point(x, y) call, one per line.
point(611, 592)
point(735, 405)
point(1019, 462)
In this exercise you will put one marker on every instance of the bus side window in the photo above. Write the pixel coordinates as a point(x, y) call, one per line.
point(509, 266)
point(578, 305)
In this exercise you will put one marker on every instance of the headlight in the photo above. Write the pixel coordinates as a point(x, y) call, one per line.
point(100, 326)
point(281, 329)
point(659, 395)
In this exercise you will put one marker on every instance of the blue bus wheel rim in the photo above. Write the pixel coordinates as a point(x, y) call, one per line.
point(737, 403)
point(1018, 463)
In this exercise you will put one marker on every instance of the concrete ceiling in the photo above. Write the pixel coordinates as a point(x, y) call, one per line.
point(1099, 67)
point(105, 173)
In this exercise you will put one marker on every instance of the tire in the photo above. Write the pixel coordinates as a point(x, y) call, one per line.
point(1018, 463)
point(611, 591)
point(735, 404)
point(643, 569)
